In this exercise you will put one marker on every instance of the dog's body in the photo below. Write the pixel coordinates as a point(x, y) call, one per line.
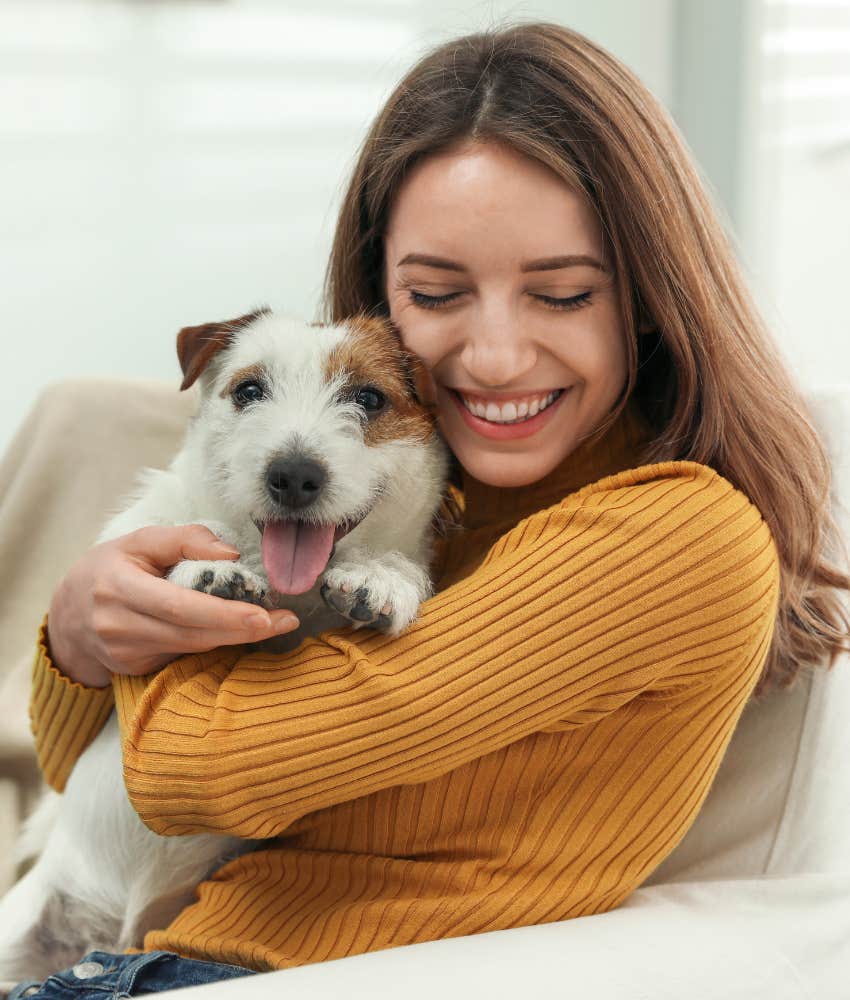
point(330, 501)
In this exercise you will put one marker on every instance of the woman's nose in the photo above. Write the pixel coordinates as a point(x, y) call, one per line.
point(497, 354)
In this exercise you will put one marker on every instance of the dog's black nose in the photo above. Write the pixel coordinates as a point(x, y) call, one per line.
point(295, 482)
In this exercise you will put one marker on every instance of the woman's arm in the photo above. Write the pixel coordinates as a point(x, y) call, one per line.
point(114, 612)
point(655, 578)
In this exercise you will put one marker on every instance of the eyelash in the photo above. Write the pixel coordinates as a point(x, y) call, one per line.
point(562, 305)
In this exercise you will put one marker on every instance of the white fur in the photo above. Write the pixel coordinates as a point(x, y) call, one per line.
point(102, 878)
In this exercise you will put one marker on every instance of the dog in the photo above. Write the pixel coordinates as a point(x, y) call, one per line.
point(315, 452)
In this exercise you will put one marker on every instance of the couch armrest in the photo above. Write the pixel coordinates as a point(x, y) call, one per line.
point(747, 939)
point(70, 463)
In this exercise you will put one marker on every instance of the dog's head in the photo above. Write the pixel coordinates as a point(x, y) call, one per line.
point(304, 429)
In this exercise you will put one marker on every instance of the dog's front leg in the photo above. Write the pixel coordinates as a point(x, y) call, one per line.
point(228, 578)
point(384, 590)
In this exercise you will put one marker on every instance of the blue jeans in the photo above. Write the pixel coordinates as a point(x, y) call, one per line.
point(102, 976)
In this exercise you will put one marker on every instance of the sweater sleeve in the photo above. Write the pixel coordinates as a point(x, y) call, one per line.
point(654, 578)
point(64, 716)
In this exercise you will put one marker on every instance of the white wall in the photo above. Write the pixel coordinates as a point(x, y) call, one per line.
point(802, 186)
point(173, 163)
point(168, 164)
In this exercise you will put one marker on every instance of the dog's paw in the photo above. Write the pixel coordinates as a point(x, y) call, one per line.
point(372, 594)
point(221, 578)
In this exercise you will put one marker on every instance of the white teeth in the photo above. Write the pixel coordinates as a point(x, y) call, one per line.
point(510, 413)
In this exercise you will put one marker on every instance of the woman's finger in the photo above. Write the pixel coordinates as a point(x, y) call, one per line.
point(191, 609)
point(163, 546)
point(140, 631)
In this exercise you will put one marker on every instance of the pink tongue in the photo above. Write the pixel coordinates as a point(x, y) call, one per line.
point(294, 553)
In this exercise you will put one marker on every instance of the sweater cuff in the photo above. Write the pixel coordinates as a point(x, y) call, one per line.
point(65, 716)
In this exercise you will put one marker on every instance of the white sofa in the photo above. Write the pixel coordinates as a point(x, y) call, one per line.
point(754, 902)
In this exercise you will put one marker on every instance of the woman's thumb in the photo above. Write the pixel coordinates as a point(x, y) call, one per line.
point(165, 546)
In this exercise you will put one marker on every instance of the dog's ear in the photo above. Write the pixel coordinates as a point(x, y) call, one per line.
point(416, 374)
point(198, 345)
point(419, 380)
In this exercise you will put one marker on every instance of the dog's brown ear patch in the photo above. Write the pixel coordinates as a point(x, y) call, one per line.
point(197, 345)
point(419, 380)
point(373, 354)
point(416, 375)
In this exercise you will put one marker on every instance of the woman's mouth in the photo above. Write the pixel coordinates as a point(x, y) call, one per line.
point(522, 425)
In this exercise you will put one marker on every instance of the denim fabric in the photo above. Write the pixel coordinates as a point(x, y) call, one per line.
point(102, 976)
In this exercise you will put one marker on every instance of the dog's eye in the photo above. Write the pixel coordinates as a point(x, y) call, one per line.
point(248, 392)
point(370, 399)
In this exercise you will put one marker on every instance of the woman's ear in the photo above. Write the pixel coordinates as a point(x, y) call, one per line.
point(198, 345)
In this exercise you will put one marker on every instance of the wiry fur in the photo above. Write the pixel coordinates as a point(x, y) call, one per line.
point(102, 879)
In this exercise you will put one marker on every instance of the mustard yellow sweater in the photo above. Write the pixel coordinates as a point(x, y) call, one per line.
point(530, 750)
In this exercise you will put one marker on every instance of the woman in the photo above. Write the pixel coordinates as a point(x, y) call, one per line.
point(629, 567)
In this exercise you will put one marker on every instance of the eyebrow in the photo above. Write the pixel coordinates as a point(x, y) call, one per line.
point(543, 264)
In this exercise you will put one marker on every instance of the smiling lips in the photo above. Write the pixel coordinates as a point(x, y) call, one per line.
point(510, 411)
point(521, 427)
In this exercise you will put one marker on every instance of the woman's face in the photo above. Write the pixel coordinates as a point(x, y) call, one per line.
point(477, 282)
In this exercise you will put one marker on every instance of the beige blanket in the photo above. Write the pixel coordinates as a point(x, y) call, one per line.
point(67, 469)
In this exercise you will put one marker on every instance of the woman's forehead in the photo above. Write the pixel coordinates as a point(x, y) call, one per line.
point(489, 201)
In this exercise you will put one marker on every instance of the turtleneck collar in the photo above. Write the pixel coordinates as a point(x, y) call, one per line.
point(614, 452)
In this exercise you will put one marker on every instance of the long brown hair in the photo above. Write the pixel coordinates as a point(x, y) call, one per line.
point(707, 376)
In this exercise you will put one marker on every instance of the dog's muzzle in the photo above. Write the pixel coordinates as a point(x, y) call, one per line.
point(295, 547)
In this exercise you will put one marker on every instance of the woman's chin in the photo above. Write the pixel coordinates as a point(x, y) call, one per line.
point(501, 469)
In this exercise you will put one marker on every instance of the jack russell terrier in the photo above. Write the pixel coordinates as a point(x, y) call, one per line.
point(314, 453)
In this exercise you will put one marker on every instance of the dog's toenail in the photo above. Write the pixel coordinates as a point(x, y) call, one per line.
point(386, 609)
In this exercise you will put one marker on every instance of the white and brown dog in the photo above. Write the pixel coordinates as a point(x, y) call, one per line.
point(314, 452)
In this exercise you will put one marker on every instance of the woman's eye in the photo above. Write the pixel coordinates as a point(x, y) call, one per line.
point(370, 399)
point(576, 302)
point(431, 301)
point(248, 392)
point(435, 301)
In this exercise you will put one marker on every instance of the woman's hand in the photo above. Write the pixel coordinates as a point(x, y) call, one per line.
point(114, 613)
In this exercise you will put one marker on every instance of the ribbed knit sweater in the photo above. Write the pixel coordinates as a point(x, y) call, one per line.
point(528, 751)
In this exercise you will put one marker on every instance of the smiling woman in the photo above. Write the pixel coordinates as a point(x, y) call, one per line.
point(631, 564)
point(500, 151)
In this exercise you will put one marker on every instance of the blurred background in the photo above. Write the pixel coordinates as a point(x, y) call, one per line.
point(171, 163)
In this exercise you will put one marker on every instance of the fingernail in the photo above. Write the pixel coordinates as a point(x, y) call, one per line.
point(227, 548)
point(285, 621)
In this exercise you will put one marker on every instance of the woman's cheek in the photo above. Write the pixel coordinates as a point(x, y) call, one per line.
point(431, 334)
point(415, 335)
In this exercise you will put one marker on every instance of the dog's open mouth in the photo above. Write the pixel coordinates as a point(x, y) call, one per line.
point(296, 552)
